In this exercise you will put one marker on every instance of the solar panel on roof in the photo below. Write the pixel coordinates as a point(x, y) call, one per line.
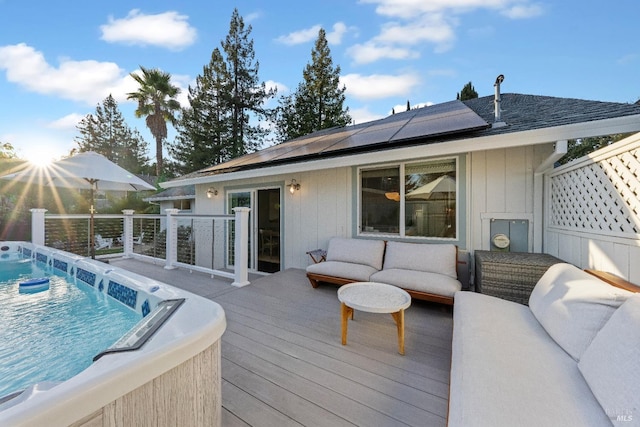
point(428, 122)
point(447, 118)
point(377, 133)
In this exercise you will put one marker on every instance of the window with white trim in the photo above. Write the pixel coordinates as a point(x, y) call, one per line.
point(415, 199)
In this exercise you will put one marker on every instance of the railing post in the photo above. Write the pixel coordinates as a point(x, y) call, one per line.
point(172, 239)
point(241, 247)
point(37, 226)
point(127, 232)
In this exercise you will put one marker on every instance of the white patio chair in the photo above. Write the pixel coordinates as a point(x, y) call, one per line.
point(102, 243)
point(138, 240)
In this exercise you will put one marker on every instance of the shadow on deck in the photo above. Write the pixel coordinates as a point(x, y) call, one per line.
point(283, 363)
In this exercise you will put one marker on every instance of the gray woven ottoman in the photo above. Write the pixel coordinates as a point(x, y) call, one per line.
point(510, 275)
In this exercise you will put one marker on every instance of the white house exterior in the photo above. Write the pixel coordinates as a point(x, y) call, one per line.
point(497, 169)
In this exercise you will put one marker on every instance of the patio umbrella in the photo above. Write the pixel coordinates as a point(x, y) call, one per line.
point(442, 184)
point(88, 170)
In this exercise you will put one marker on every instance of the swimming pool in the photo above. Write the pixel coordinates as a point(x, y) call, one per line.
point(173, 375)
point(54, 333)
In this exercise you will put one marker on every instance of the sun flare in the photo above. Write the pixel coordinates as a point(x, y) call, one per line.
point(40, 158)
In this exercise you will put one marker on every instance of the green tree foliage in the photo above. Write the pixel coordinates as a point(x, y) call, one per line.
point(107, 133)
point(318, 102)
point(247, 95)
point(581, 147)
point(7, 151)
point(156, 101)
point(226, 106)
point(468, 92)
point(204, 127)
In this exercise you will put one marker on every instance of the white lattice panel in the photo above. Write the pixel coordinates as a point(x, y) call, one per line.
point(601, 197)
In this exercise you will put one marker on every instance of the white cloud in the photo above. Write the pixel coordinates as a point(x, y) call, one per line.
point(306, 35)
point(363, 115)
point(408, 9)
point(254, 16)
point(280, 87)
point(377, 86)
point(432, 28)
point(433, 22)
point(183, 82)
point(371, 51)
point(86, 81)
point(168, 29)
point(399, 108)
point(339, 30)
point(301, 36)
point(523, 11)
point(68, 122)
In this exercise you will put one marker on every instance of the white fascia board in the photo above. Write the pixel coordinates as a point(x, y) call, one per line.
point(491, 142)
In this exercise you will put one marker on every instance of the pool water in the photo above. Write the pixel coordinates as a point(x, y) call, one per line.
point(54, 334)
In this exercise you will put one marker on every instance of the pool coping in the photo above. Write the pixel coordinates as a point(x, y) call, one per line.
point(197, 325)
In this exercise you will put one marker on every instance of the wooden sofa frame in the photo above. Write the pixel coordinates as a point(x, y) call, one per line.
point(315, 280)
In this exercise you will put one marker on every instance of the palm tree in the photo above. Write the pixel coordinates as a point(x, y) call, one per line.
point(156, 101)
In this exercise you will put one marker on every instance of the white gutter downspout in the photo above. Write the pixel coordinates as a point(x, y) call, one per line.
point(539, 195)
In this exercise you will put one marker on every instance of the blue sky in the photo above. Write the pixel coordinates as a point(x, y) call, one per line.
point(58, 60)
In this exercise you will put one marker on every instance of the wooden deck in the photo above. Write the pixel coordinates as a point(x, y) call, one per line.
point(283, 363)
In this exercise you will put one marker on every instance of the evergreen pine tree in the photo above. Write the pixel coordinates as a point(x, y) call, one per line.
point(318, 102)
point(468, 92)
point(581, 147)
point(247, 95)
point(203, 129)
point(107, 133)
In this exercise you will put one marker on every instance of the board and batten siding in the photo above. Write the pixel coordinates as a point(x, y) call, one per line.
point(501, 186)
point(321, 209)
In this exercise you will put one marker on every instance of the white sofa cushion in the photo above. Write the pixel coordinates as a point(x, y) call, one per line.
point(422, 281)
point(345, 270)
point(356, 251)
point(507, 371)
point(610, 364)
point(572, 306)
point(433, 258)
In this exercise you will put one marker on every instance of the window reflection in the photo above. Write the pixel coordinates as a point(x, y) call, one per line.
point(430, 199)
point(380, 196)
point(428, 193)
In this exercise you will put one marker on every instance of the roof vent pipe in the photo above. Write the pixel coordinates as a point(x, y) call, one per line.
point(498, 112)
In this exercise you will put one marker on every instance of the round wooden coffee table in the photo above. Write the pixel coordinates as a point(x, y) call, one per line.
point(374, 297)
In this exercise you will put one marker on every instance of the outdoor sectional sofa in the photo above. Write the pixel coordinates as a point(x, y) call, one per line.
point(571, 358)
point(425, 271)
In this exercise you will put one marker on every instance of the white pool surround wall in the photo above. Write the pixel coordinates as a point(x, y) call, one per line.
point(173, 379)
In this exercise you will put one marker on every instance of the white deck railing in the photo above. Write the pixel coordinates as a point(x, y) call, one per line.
point(213, 244)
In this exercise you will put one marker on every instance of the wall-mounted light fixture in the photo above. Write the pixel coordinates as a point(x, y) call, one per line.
point(212, 192)
point(293, 187)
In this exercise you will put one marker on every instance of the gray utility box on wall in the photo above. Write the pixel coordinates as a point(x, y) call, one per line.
point(509, 235)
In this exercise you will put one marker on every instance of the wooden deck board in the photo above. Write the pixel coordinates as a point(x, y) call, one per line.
point(283, 363)
point(331, 355)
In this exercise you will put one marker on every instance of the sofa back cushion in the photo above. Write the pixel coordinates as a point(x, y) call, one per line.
point(432, 258)
point(610, 363)
point(572, 306)
point(357, 251)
